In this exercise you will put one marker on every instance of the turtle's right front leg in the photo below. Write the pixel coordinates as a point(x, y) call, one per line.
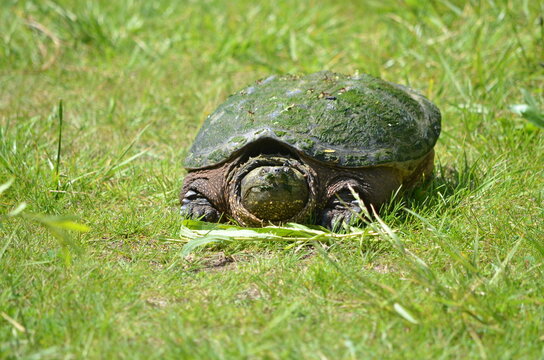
point(196, 206)
point(202, 194)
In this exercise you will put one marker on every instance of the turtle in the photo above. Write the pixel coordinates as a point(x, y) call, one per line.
point(318, 148)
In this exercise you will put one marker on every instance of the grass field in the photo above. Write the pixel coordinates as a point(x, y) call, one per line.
point(454, 271)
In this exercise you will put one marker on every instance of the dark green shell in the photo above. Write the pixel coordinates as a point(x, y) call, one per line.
point(351, 121)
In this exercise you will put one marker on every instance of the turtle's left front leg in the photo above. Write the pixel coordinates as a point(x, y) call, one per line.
point(342, 208)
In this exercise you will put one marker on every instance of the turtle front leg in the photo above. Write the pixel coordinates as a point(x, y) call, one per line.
point(196, 206)
point(341, 209)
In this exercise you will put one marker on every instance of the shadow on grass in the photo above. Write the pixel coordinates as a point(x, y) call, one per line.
point(443, 192)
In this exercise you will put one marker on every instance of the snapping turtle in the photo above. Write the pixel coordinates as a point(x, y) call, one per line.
point(291, 149)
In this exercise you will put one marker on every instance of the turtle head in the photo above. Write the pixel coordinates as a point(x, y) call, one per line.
point(273, 189)
point(274, 192)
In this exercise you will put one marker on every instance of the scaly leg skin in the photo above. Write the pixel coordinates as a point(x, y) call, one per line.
point(342, 209)
point(195, 206)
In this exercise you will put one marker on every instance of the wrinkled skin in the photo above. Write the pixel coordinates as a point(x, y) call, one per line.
point(293, 188)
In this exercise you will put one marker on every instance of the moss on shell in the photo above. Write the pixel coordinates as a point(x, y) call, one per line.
point(365, 120)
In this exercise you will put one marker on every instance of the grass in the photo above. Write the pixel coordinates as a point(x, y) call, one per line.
point(453, 271)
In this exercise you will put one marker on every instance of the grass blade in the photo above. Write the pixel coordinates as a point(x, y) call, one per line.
point(404, 313)
point(60, 116)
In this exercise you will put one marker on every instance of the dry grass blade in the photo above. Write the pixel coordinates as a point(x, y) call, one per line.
point(49, 60)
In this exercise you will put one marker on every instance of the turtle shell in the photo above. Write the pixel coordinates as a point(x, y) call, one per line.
point(349, 121)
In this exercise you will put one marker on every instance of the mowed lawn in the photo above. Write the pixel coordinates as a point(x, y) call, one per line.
point(454, 270)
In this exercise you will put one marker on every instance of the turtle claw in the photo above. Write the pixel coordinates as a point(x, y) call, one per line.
point(342, 210)
point(196, 206)
point(336, 218)
point(190, 194)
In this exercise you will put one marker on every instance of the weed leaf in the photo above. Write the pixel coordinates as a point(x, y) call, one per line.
point(196, 243)
point(530, 110)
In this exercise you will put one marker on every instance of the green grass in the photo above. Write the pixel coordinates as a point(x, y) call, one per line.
point(454, 271)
